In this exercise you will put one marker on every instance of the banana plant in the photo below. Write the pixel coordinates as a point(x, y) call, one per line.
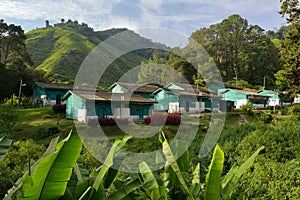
point(51, 175)
point(159, 186)
point(15, 191)
point(232, 177)
point(94, 188)
point(213, 176)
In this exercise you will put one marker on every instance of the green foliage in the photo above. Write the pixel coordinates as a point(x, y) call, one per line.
point(14, 59)
point(290, 8)
point(287, 79)
point(8, 119)
point(177, 180)
point(156, 70)
point(240, 49)
point(212, 181)
point(49, 180)
point(15, 162)
point(4, 145)
point(295, 109)
point(235, 173)
point(43, 132)
point(268, 178)
point(247, 109)
point(152, 183)
point(57, 52)
point(265, 117)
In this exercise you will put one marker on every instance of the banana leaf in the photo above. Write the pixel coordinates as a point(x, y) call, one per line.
point(19, 183)
point(125, 190)
point(195, 187)
point(234, 174)
point(4, 145)
point(50, 178)
point(152, 184)
point(213, 177)
point(97, 190)
point(171, 161)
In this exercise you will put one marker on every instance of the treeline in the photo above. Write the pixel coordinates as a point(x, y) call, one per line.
point(239, 50)
point(15, 61)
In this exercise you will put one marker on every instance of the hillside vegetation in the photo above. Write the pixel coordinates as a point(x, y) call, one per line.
point(58, 51)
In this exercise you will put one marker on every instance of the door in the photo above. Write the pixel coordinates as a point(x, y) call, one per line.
point(58, 99)
point(141, 114)
point(187, 106)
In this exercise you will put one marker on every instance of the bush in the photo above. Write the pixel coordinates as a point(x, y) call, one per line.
point(107, 121)
point(8, 118)
point(267, 118)
point(44, 132)
point(275, 174)
point(59, 108)
point(295, 109)
point(158, 119)
point(15, 162)
point(247, 109)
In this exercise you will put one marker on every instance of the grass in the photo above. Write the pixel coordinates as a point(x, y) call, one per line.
point(34, 122)
point(42, 124)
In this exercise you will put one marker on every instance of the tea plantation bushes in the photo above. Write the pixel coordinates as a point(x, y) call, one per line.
point(276, 174)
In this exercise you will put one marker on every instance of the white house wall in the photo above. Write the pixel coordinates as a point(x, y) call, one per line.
point(241, 102)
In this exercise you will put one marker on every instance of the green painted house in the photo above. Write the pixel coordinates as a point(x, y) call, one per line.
point(81, 105)
point(242, 97)
point(48, 94)
point(183, 98)
point(140, 89)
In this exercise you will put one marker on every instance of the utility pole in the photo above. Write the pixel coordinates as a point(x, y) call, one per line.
point(235, 90)
point(19, 96)
point(264, 82)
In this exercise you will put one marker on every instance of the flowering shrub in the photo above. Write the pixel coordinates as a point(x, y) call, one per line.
point(107, 121)
point(59, 108)
point(157, 119)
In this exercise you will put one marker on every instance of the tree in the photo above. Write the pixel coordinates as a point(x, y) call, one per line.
point(160, 71)
point(288, 78)
point(14, 59)
point(239, 49)
point(290, 8)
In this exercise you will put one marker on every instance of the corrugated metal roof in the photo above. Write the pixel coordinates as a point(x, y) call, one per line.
point(247, 92)
point(138, 87)
point(189, 87)
point(108, 96)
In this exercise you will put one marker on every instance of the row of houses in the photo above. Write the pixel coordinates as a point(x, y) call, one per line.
point(137, 101)
point(124, 99)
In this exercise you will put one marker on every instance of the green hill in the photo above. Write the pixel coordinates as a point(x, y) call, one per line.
point(58, 51)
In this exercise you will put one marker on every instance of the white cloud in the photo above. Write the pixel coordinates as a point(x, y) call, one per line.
point(181, 15)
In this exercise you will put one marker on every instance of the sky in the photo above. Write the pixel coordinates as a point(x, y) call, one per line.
point(178, 16)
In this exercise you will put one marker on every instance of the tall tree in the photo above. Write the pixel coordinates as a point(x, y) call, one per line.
point(159, 71)
point(288, 79)
point(239, 49)
point(14, 59)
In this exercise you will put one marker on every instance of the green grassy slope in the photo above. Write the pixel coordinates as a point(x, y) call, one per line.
point(57, 53)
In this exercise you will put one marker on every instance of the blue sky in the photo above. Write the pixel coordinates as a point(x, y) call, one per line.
point(182, 16)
